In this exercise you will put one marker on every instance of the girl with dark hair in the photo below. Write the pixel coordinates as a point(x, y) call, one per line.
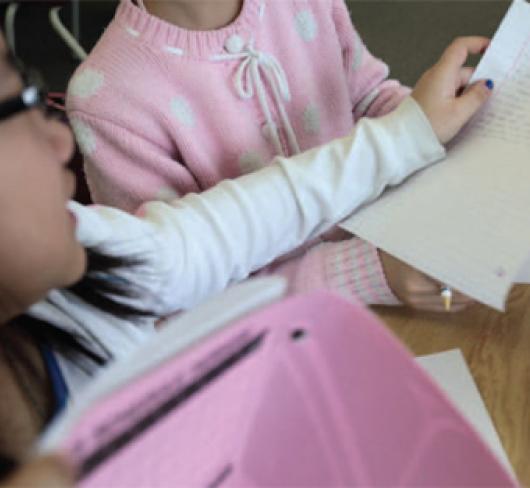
point(83, 285)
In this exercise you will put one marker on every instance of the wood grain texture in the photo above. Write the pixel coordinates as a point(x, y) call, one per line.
point(497, 350)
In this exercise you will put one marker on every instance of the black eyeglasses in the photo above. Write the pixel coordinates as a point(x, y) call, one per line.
point(33, 94)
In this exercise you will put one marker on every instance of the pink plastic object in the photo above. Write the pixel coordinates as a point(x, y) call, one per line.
point(312, 391)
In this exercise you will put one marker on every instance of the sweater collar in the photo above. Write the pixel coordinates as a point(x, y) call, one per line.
point(197, 44)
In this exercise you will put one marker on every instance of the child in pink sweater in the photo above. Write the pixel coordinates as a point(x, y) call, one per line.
point(162, 108)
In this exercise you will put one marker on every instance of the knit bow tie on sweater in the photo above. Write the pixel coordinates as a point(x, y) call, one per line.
point(255, 69)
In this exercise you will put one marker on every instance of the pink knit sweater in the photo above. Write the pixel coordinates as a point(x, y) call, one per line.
point(160, 111)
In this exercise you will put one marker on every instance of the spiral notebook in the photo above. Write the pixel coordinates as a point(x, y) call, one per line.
point(466, 221)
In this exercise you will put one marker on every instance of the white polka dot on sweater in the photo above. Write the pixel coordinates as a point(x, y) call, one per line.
point(312, 119)
point(251, 161)
point(87, 83)
point(174, 50)
point(306, 25)
point(166, 194)
point(182, 111)
point(357, 55)
point(262, 8)
point(132, 32)
point(85, 137)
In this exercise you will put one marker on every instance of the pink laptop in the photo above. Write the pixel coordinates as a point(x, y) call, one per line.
point(309, 391)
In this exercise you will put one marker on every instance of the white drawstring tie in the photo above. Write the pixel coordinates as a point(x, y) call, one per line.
point(248, 80)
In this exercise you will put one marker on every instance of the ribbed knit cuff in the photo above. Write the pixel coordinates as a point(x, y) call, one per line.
point(350, 268)
point(387, 100)
point(353, 267)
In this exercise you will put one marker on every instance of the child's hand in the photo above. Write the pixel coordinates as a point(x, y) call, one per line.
point(417, 290)
point(439, 90)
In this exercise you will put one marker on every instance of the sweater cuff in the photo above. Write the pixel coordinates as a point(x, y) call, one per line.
point(350, 268)
point(353, 269)
point(388, 99)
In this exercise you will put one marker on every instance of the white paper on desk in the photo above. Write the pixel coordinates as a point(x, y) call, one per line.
point(449, 371)
point(466, 221)
point(524, 274)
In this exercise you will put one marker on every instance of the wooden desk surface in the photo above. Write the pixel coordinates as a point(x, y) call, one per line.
point(497, 349)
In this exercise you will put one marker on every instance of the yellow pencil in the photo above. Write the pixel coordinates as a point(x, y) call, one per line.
point(447, 296)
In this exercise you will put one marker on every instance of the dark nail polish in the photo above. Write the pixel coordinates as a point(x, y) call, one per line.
point(490, 84)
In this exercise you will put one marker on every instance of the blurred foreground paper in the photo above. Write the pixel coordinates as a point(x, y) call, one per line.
point(450, 372)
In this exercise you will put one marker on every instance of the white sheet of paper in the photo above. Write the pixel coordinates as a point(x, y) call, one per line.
point(449, 371)
point(466, 220)
point(524, 274)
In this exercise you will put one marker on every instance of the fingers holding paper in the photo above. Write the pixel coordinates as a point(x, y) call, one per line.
point(417, 290)
point(440, 91)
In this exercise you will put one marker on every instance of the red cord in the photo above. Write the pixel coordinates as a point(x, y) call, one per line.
point(56, 101)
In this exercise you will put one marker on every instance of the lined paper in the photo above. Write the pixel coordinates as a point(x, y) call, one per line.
point(466, 220)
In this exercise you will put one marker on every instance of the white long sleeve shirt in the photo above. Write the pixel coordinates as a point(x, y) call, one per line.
point(200, 244)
